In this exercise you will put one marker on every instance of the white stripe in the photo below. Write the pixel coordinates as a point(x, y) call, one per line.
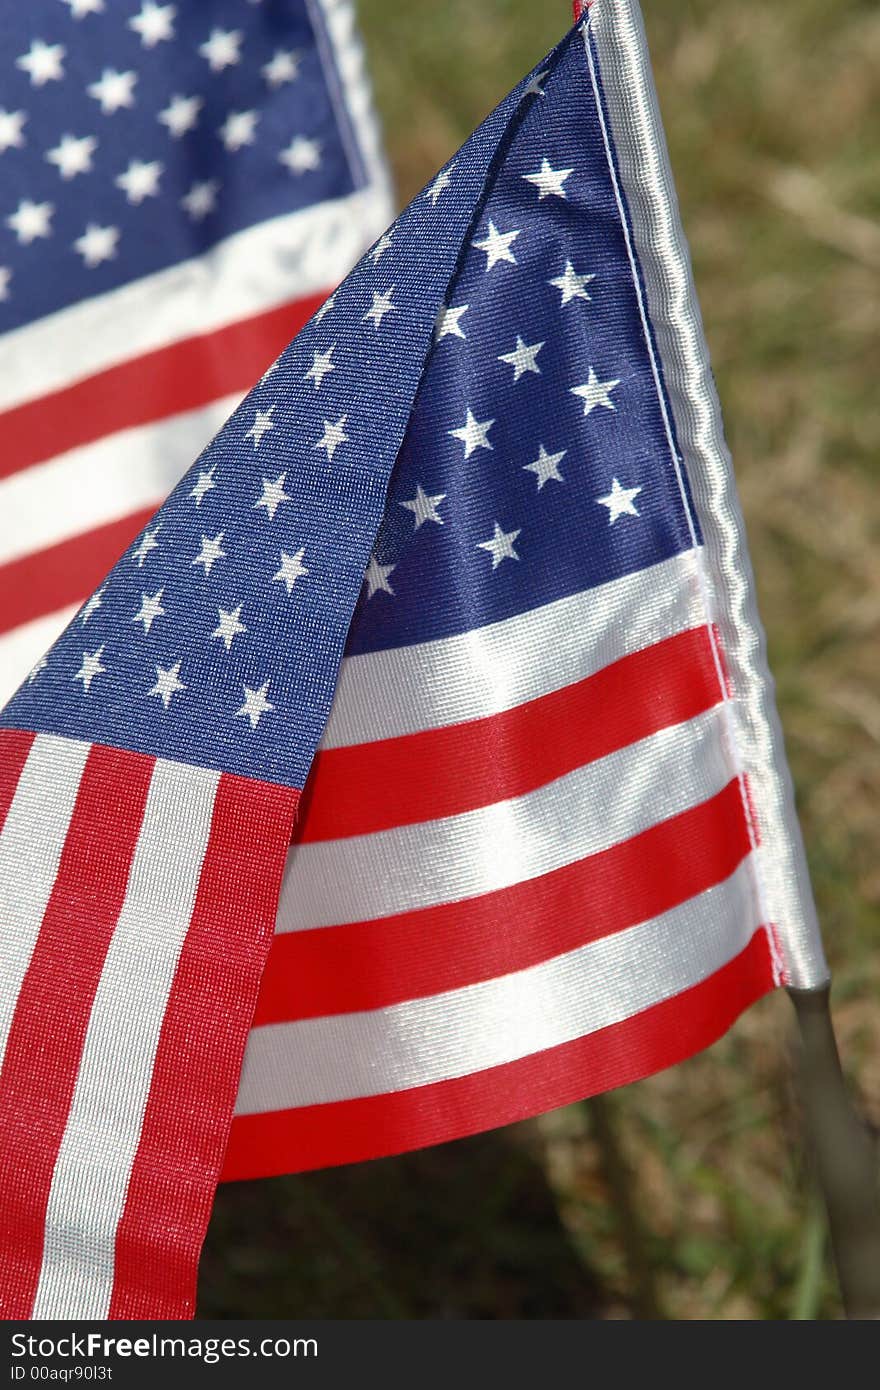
point(481, 851)
point(104, 1124)
point(260, 268)
point(423, 1041)
point(31, 842)
point(104, 481)
point(21, 648)
point(430, 684)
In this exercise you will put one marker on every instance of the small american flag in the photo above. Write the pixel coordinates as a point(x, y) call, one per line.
point(182, 185)
point(468, 559)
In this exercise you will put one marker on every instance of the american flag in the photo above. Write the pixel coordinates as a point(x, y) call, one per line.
point(467, 565)
point(182, 185)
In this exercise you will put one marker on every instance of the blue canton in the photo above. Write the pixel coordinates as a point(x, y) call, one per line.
point(527, 460)
point(537, 461)
point(134, 135)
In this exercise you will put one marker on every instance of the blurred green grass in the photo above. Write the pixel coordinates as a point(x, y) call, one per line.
point(773, 120)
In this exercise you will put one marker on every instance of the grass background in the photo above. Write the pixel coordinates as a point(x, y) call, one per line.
point(772, 119)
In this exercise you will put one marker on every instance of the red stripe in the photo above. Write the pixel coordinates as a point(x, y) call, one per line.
point(318, 1136)
point(15, 744)
point(186, 1123)
point(52, 1013)
point(47, 580)
point(371, 787)
point(368, 965)
point(167, 381)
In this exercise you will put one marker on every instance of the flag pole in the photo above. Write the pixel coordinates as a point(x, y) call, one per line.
point(844, 1155)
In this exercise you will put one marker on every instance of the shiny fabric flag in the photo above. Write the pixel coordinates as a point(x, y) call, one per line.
point(181, 185)
point(468, 567)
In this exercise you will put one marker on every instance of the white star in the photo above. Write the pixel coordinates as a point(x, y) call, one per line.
point(80, 8)
point(325, 308)
point(140, 180)
point(301, 155)
point(500, 547)
point(181, 115)
point(150, 609)
point(549, 181)
point(497, 246)
point(35, 670)
point(423, 507)
point(210, 552)
point(148, 543)
point(284, 67)
point(91, 667)
point(448, 322)
point(73, 156)
point(595, 392)
point(154, 23)
point(380, 307)
point(229, 626)
point(522, 359)
point(115, 90)
point(321, 365)
point(93, 603)
point(292, 568)
point(534, 89)
point(97, 244)
point(255, 704)
point(11, 130)
point(262, 424)
point(333, 436)
point(5, 277)
point(31, 220)
point(571, 284)
point(619, 501)
point(381, 246)
point(222, 49)
point(473, 434)
point(44, 62)
point(273, 495)
point(546, 466)
point(239, 129)
point(203, 484)
point(377, 577)
point(167, 683)
point(201, 199)
point(441, 182)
